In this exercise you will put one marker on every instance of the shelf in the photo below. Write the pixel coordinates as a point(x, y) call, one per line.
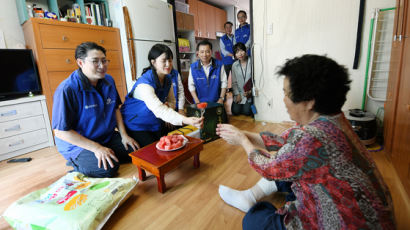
point(53, 7)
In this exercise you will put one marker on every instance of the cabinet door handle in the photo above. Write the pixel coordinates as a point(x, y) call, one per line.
point(14, 128)
point(9, 113)
point(68, 61)
point(102, 41)
point(16, 143)
point(65, 38)
point(408, 107)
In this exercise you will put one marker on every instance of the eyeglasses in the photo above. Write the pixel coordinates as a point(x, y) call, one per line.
point(97, 63)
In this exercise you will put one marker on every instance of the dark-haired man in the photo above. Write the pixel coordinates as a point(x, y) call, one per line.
point(226, 45)
point(207, 81)
point(85, 115)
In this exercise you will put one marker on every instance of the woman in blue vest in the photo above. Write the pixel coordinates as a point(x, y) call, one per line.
point(207, 81)
point(243, 33)
point(226, 45)
point(147, 106)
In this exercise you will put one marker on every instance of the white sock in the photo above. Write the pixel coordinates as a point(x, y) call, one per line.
point(267, 187)
point(242, 200)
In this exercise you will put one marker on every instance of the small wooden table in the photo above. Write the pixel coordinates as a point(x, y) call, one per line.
point(160, 162)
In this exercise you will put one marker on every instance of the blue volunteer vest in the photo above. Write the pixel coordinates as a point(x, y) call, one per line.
point(174, 77)
point(135, 113)
point(94, 111)
point(242, 34)
point(207, 89)
point(227, 60)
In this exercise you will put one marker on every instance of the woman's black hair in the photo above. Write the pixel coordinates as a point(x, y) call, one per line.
point(238, 47)
point(82, 49)
point(319, 78)
point(241, 11)
point(204, 43)
point(156, 51)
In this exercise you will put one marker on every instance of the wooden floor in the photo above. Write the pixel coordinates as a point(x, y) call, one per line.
point(192, 200)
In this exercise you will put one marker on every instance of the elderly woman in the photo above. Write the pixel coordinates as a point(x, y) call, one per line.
point(336, 183)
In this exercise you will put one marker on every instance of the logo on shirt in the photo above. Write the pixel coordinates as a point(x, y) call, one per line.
point(90, 106)
point(110, 101)
point(213, 76)
point(245, 35)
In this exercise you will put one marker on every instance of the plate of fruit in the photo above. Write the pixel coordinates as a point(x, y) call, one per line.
point(171, 142)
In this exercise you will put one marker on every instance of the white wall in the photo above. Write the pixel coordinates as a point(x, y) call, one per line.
point(299, 27)
point(10, 26)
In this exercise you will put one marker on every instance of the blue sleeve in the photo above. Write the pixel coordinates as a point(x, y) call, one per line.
point(65, 109)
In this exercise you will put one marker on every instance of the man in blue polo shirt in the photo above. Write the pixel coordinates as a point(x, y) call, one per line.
point(243, 32)
point(226, 45)
point(207, 81)
point(85, 115)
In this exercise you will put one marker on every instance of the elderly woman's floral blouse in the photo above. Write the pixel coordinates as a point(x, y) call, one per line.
point(336, 183)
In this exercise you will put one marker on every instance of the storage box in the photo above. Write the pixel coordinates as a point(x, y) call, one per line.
point(181, 7)
point(214, 114)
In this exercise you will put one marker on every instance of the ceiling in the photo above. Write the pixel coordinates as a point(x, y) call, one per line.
point(242, 4)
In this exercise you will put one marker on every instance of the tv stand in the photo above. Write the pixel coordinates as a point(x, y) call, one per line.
point(24, 126)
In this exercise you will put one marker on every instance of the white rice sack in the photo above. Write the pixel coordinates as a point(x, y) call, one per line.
point(73, 202)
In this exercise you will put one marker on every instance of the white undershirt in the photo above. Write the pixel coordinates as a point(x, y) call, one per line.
point(146, 93)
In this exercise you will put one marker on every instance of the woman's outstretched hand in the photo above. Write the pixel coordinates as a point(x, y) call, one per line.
point(230, 134)
point(194, 121)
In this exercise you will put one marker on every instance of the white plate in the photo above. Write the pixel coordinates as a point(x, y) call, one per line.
point(184, 142)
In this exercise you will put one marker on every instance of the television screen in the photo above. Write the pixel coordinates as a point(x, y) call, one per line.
point(19, 73)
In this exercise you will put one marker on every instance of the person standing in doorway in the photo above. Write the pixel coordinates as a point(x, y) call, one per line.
point(226, 45)
point(243, 32)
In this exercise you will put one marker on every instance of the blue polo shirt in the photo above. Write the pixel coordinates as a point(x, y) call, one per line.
point(88, 110)
point(228, 43)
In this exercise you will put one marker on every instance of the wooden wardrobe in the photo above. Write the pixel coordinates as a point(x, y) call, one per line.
point(397, 106)
point(53, 44)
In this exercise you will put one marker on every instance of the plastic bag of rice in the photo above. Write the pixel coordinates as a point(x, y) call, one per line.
point(73, 202)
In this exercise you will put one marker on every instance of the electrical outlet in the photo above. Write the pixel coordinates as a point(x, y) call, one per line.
point(270, 102)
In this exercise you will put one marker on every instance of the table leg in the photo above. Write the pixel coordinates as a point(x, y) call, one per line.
point(196, 160)
point(141, 173)
point(161, 184)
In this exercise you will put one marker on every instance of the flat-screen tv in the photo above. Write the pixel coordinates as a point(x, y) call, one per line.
point(19, 76)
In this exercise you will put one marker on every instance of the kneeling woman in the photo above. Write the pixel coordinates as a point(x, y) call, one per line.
point(145, 108)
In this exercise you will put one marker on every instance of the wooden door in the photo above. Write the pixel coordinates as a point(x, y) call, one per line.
point(220, 16)
point(401, 137)
point(189, 22)
point(210, 24)
point(394, 79)
point(193, 9)
point(202, 16)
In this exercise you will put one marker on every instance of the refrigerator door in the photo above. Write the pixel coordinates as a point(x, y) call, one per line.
point(141, 52)
point(151, 20)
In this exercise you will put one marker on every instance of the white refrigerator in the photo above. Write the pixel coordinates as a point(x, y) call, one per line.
point(150, 22)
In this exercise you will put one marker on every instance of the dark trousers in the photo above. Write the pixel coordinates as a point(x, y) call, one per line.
point(238, 109)
point(227, 69)
point(263, 214)
point(145, 138)
point(87, 164)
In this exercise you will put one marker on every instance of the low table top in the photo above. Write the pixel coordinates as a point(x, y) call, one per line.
point(158, 158)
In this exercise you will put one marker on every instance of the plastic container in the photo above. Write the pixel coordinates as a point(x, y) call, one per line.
point(181, 7)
